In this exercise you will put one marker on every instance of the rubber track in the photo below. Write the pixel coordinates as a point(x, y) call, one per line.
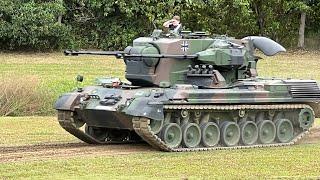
point(66, 121)
point(142, 128)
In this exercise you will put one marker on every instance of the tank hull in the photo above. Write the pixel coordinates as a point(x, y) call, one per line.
point(186, 117)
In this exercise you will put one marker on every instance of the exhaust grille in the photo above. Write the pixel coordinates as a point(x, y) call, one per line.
point(304, 89)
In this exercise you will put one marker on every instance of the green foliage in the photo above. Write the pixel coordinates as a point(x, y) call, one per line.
point(34, 24)
point(113, 24)
point(313, 20)
point(279, 19)
point(222, 17)
point(31, 25)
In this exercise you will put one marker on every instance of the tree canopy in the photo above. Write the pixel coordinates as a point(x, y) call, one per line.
point(56, 24)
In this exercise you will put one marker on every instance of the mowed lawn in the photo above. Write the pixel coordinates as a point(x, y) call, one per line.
point(296, 161)
point(57, 72)
point(16, 131)
point(299, 65)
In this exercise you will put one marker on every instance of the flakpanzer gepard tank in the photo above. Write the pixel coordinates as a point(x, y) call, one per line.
point(191, 92)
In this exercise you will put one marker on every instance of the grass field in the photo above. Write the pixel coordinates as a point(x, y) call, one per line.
point(299, 65)
point(31, 130)
point(295, 161)
point(298, 161)
point(55, 73)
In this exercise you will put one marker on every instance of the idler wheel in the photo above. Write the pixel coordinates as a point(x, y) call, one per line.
point(98, 133)
point(306, 118)
point(230, 133)
point(267, 131)
point(171, 135)
point(210, 133)
point(284, 130)
point(156, 125)
point(191, 135)
point(249, 133)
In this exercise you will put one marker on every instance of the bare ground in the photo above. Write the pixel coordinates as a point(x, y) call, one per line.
point(66, 150)
point(311, 138)
point(69, 150)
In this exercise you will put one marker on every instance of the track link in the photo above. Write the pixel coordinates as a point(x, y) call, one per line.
point(142, 128)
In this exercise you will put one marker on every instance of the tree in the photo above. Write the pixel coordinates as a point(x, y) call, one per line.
point(105, 24)
point(304, 8)
point(29, 24)
point(301, 30)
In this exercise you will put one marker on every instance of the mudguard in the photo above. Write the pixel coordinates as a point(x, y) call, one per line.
point(266, 45)
point(142, 107)
point(67, 101)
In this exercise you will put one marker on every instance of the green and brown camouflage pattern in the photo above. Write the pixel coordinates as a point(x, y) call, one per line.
point(216, 84)
point(219, 53)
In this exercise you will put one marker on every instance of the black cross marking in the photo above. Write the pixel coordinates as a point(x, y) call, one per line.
point(184, 46)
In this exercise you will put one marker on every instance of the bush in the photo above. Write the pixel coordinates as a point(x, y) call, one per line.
point(30, 25)
point(110, 25)
point(20, 96)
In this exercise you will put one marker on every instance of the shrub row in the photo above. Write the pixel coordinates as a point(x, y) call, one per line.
point(56, 24)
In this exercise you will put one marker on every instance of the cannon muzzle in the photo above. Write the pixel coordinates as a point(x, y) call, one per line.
point(117, 54)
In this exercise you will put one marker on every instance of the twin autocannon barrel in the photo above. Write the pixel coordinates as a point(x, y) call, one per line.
point(122, 54)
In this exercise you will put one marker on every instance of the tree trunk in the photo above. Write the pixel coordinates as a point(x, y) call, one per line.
point(60, 19)
point(301, 30)
point(260, 18)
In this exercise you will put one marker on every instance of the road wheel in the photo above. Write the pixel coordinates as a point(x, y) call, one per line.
point(267, 131)
point(210, 134)
point(284, 130)
point(156, 125)
point(171, 135)
point(230, 133)
point(249, 133)
point(191, 135)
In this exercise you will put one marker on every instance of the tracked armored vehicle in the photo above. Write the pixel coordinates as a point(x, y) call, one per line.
point(191, 92)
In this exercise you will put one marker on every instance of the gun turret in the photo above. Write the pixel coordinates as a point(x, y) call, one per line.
point(201, 61)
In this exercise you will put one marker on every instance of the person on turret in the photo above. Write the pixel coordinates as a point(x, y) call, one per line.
point(173, 25)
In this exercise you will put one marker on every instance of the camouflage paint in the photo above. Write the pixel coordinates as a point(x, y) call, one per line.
point(223, 73)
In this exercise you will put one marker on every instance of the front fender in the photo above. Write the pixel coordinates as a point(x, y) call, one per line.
point(144, 107)
point(67, 101)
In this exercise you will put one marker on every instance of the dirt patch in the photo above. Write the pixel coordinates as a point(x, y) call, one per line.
point(67, 150)
point(311, 138)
